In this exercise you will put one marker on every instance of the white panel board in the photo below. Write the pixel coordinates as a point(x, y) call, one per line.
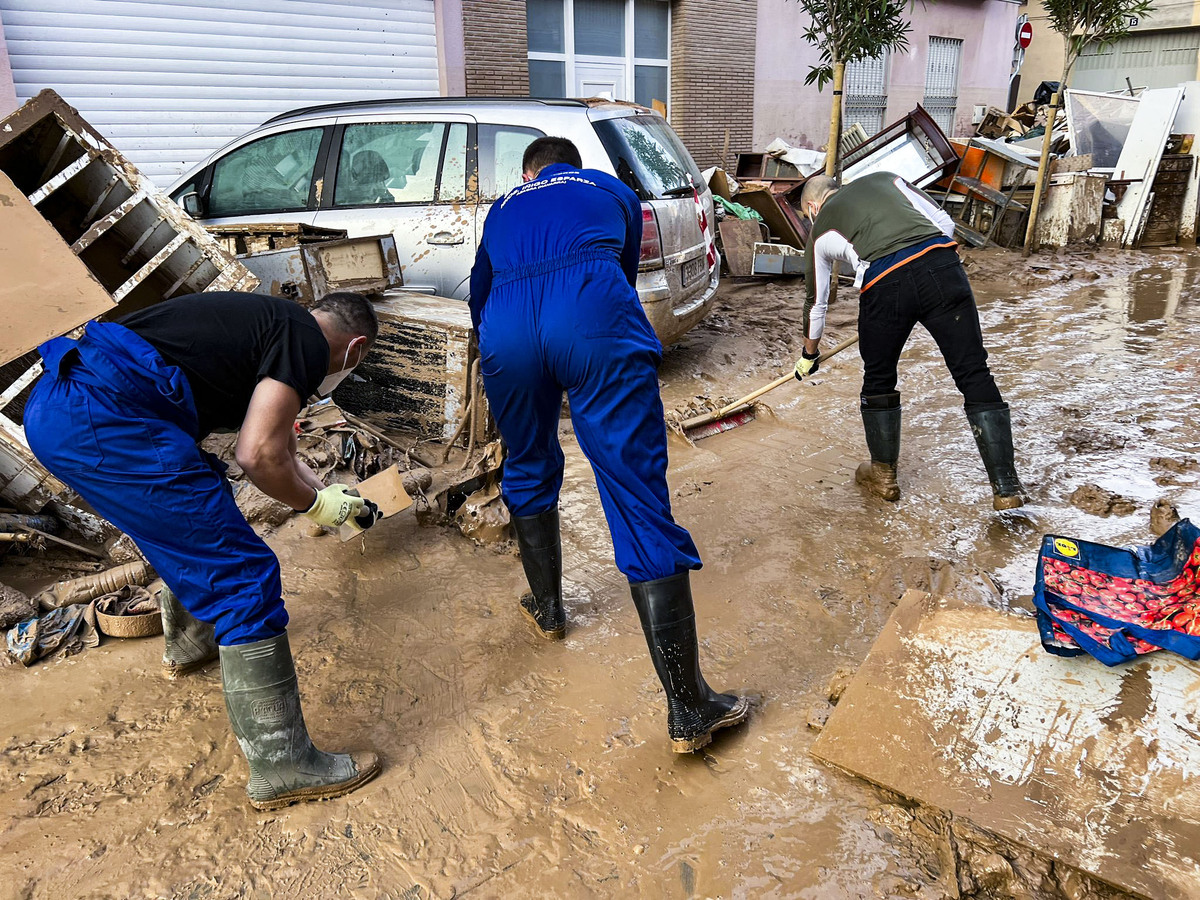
point(1187, 121)
point(1143, 150)
point(170, 81)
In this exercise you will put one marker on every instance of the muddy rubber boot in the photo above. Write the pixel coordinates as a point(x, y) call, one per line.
point(881, 424)
point(263, 701)
point(992, 427)
point(190, 643)
point(541, 556)
point(694, 710)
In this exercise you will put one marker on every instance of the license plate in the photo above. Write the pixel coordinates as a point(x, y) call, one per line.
point(691, 270)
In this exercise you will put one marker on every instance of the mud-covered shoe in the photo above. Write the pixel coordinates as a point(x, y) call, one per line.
point(992, 428)
point(189, 644)
point(694, 710)
point(879, 478)
point(263, 700)
point(541, 556)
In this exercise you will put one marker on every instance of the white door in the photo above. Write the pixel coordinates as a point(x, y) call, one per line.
point(169, 82)
point(409, 178)
point(596, 79)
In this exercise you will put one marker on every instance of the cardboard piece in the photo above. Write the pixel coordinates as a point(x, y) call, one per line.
point(46, 290)
point(960, 708)
point(386, 490)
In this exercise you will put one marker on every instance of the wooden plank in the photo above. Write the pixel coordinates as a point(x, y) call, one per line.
point(960, 708)
point(36, 263)
point(60, 179)
point(110, 219)
point(148, 269)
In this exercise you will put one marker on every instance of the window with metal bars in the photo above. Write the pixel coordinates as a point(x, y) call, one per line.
point(941, 81)
point(866, 93)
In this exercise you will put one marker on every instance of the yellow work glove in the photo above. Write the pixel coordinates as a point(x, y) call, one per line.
point(334, 506)
point(807, 365)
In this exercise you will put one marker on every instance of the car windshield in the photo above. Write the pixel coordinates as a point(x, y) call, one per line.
point(648, 156)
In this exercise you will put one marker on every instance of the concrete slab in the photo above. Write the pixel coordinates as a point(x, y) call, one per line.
point(959, 707)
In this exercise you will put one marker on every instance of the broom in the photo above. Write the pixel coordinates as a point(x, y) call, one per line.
point(739, 412)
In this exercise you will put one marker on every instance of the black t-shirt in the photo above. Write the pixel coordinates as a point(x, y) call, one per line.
point(226, 342)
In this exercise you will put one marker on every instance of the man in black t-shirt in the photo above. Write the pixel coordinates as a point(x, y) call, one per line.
point(118, 416)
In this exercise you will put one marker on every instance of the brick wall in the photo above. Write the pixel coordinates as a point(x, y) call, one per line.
point(495, 48)
point(712, 76)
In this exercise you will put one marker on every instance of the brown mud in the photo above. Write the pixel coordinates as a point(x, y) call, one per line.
point(516, 767)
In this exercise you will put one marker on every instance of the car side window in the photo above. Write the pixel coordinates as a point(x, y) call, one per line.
point(501, 148)
point(272, 174)
point(387, 163)
point(453, 185)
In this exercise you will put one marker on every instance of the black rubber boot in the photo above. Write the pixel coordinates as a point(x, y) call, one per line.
point(190, 643)
point(992, 427)
point(881, 424)
point(694, 710)
point(541, 555)
point(263, 701)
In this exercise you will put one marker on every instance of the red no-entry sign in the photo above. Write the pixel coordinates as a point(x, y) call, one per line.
point(1024, 35)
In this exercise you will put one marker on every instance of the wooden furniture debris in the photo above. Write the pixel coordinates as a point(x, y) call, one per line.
point(307, 271)
point(913, 147)
point(1165, 217)
point(959, 707)
point(134, 243)
point(1138, 163)
point(984, 205)
point(259, 237)
point(738, 237)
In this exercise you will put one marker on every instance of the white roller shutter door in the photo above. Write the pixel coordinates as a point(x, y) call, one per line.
point(169, 81)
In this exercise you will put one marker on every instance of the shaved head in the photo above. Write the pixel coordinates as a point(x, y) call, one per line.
point(816, 189)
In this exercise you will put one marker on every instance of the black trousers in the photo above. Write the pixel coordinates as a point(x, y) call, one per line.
point(932, 290)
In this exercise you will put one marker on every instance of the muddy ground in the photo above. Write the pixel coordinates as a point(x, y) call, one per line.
point(514, 767)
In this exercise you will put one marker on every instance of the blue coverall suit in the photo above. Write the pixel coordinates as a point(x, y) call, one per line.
point(554, 303)
point(118, 424)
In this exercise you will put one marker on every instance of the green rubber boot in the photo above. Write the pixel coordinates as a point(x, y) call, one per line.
point(263, 701)
point(992, 428)
point(881, 424)
point(190, 644)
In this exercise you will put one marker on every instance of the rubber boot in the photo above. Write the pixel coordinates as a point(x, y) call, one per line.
point(881, 423)
point(992, 427)
point(190, 643)
point(541, 555)
point(694, 710)
point(263, 701)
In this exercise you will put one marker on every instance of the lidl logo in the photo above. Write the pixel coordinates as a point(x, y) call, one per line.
point(1065, 547)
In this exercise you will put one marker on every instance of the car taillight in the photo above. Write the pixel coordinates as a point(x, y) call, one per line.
point(651, 256)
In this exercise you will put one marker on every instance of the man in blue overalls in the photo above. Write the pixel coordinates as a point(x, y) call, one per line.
point(118, 416)
point(553, 300)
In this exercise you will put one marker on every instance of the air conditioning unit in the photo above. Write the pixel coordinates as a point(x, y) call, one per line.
point(978, 113)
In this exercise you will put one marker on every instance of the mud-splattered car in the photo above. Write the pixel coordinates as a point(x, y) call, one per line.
point(428, 171)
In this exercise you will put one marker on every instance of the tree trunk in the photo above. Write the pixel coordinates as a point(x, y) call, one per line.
point(835, 120)
point(1041, 186)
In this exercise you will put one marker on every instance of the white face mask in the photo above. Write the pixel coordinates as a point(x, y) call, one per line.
point(330, 382)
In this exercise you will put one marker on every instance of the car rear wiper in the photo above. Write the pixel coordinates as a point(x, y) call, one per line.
point(678, 191)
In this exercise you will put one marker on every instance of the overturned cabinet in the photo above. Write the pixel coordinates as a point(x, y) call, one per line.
point(80, 223)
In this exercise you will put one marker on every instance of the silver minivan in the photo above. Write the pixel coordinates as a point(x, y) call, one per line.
point(428, 171)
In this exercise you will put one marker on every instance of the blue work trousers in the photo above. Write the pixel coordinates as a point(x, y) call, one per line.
point(546, 332)
point(117, 424)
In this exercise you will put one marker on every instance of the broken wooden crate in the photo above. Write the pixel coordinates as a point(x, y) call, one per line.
point(417, 378)
point(132, 240)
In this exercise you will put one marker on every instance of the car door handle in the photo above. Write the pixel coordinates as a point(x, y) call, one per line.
point(445, 238)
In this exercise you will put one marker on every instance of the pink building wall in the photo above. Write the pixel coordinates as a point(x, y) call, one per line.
point(784, 106)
